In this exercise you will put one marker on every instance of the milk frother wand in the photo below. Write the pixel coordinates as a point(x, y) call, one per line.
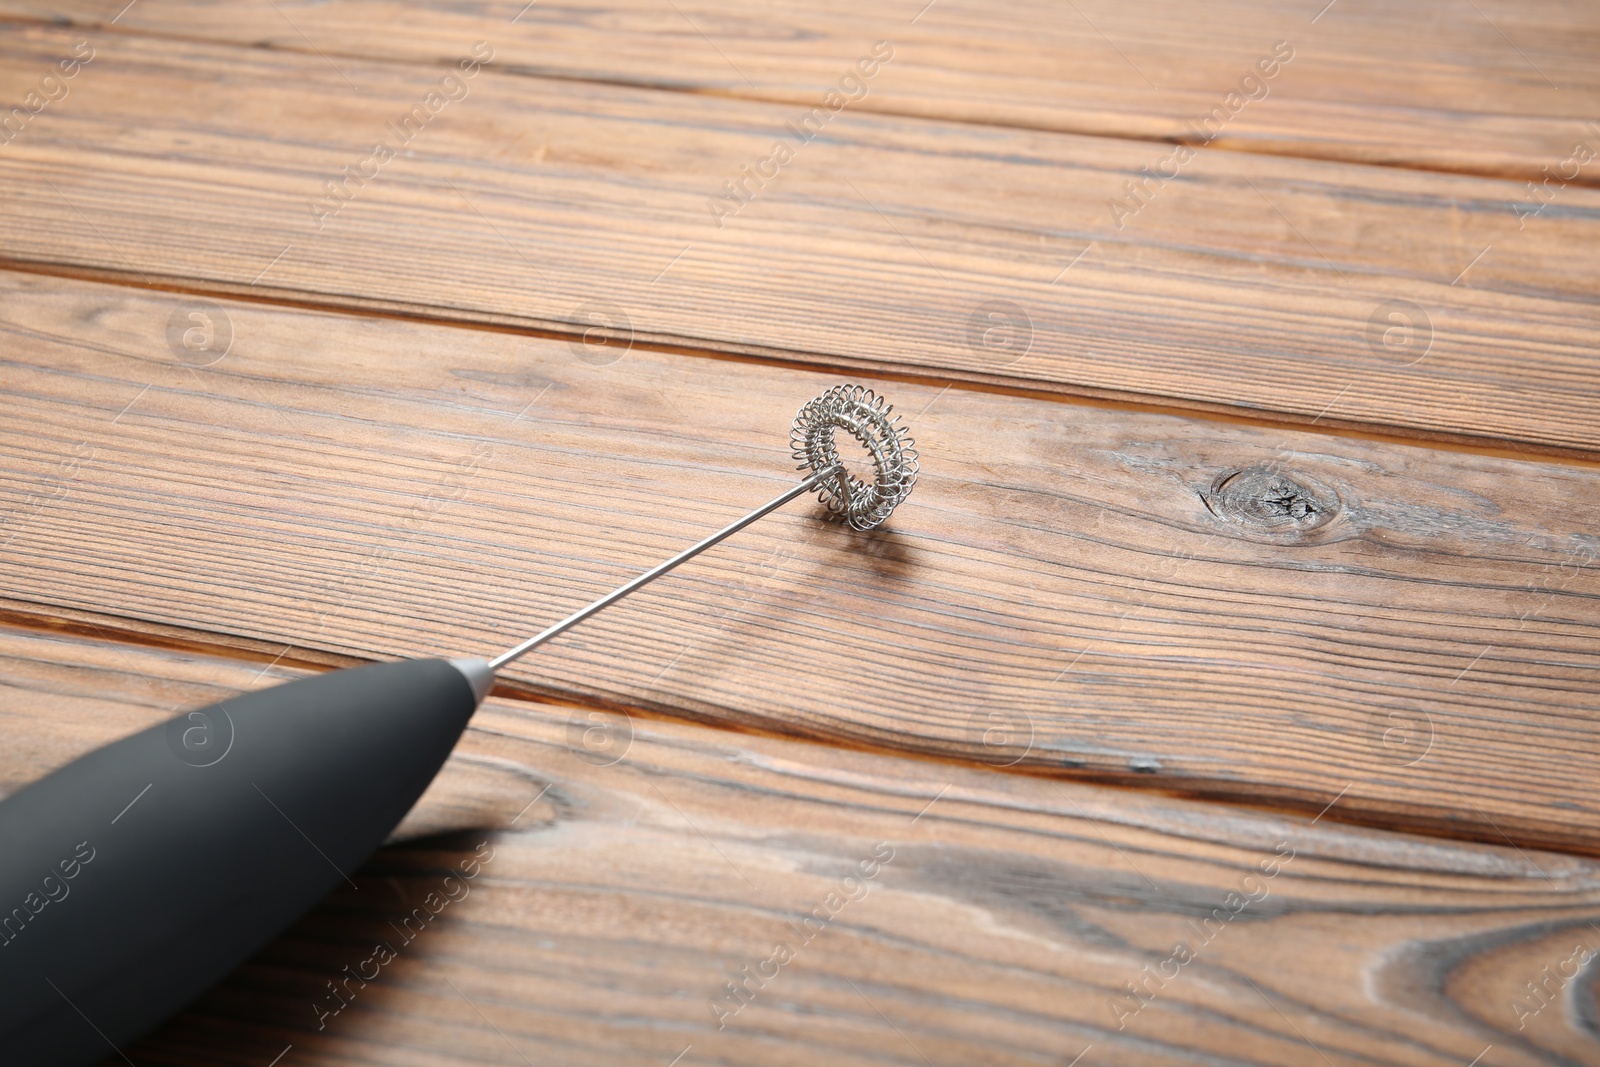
point(140, 874)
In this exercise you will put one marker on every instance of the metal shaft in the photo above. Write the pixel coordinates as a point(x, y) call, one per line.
point(655, 572)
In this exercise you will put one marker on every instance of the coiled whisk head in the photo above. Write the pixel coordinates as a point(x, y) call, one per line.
point(866, 416)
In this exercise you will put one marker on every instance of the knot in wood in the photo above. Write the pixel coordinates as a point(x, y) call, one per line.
point(1270, 501)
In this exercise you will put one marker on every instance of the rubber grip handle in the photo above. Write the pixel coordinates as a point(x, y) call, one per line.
point(138, 875)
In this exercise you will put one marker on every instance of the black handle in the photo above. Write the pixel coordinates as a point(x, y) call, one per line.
point(137, 876)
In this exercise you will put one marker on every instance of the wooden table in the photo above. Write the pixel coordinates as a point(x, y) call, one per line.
point(1225, 694)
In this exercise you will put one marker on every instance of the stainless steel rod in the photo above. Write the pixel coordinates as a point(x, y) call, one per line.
point(655, 572)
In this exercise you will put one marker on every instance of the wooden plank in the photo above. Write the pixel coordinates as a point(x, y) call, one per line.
point(1073, 589)
point(621, 888)
point(1504, 90)
point(1252, 283)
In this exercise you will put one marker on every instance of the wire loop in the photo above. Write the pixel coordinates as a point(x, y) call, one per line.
point(866, 417)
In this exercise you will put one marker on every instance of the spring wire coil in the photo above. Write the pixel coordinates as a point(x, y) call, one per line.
point(868, 419)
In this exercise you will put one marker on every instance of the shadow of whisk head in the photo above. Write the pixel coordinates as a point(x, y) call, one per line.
point(866, 417)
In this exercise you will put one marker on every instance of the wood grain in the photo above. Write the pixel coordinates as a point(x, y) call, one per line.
point(1250, 283)
point(626, 888)
point(1503, 89)
point(1073, 589)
